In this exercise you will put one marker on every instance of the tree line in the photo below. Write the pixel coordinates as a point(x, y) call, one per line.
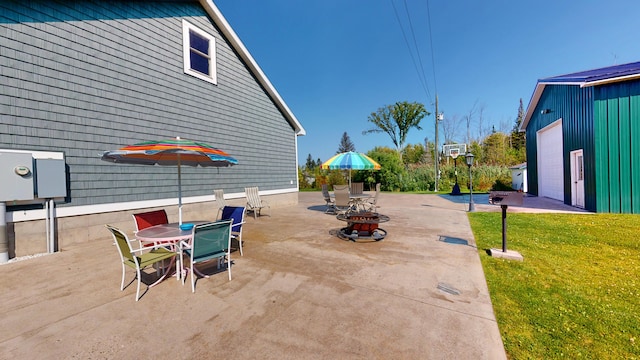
point(411, 167)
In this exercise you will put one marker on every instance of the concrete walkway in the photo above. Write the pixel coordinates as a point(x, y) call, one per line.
point(299, 292)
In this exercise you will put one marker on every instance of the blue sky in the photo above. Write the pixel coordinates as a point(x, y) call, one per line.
point(336, 61)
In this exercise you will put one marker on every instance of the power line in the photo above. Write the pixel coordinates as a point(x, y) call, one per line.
point(415, 43)
point(421, 78)
point(433, 61)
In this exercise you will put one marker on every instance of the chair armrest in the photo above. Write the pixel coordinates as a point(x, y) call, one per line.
point(141, 250)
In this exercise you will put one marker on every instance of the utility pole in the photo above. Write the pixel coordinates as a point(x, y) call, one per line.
point(436, 154)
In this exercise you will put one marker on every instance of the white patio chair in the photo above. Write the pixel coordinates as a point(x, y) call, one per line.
point(327, 198)
point(372, 203)
point(357, 188)
point(220, 201)
point(254, 203)
point(343, 203)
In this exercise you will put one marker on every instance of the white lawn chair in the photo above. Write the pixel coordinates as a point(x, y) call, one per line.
point(254, 203)
point(357, 188)
point(372, 203)
point(343, 203)
point(331, 205)
point(220, 202)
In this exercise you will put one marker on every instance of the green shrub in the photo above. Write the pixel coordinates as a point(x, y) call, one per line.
point(502, 185)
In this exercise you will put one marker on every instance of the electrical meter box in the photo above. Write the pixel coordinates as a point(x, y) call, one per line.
point(16, 176)
point(51, 178)
point(514, 198)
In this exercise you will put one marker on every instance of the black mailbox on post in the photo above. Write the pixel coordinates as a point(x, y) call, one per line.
point(506, 198)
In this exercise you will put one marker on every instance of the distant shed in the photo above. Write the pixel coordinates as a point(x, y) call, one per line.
point(519, 177)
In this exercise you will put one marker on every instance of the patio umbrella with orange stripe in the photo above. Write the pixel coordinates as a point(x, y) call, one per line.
point(174, 152)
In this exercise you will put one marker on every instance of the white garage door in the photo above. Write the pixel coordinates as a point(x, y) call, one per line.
point(550, 171)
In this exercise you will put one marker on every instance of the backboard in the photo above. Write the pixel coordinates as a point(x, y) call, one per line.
point(454, 150)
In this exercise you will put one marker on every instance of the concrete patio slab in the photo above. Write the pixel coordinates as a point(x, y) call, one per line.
point(299, 292)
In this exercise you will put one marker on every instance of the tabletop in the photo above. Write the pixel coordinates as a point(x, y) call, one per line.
point(355, 196)
point(166, 233)
point(359, 196)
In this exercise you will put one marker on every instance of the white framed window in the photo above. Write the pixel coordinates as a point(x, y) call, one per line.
point(199, 52)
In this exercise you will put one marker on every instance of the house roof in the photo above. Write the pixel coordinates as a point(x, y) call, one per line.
point(586, 78)
point(235, 42)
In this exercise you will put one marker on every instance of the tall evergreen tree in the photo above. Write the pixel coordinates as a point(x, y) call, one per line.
point(518, 141)
point(345, 144)
point(310, 163)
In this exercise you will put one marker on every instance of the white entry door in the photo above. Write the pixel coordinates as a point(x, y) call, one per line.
point(577, 178)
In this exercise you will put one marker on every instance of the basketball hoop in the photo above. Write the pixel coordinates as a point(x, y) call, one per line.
point(454, 150)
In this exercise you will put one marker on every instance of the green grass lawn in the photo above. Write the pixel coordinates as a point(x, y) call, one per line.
point(577, 292)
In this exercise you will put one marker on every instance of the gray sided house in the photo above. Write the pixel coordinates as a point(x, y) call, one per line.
point(583, 139)
point(82, 77)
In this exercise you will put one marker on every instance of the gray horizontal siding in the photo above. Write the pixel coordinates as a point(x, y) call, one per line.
point(91, 76)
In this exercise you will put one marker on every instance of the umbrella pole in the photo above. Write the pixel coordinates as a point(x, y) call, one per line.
point(179, 192)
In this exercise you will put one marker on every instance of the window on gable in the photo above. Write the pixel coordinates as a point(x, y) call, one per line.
point(199, 51)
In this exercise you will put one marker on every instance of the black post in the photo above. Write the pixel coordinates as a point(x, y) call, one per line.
point(472, 205)
point(504, 227)
point(469, 159)
point(455, 166)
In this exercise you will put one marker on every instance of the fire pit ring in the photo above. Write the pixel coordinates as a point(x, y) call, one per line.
point(362, 225)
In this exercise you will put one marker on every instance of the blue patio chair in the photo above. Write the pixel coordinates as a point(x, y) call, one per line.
point(236, 214)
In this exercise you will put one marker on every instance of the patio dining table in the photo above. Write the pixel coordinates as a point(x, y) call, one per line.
point(359, 200)
point(167, 235)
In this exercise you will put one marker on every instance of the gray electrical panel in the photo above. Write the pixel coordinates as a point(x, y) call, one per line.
point(16, 176)
point(51, 178)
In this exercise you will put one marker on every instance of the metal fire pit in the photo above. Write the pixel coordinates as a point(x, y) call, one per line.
point(362, 225)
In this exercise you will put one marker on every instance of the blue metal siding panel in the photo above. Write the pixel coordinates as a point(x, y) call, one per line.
point(90, 76)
